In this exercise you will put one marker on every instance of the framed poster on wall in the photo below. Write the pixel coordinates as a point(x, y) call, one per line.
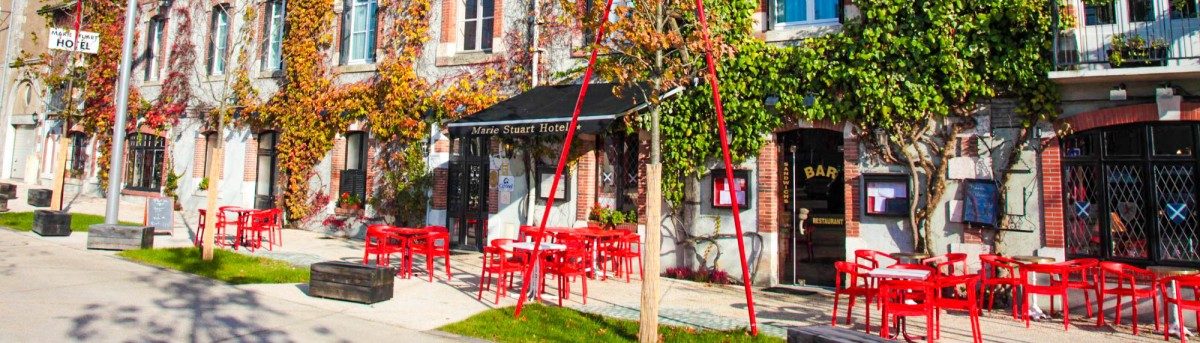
point(981, 200)
point(885, 195)
point(722, 197)
point(546, 179)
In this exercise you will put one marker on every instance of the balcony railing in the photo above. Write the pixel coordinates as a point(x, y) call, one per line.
point(1126, 33)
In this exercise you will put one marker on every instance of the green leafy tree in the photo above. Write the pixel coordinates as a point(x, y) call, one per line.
point(910, 75)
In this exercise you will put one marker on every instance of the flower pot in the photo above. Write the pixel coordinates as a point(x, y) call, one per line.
point(630, 227)
point(347, 211)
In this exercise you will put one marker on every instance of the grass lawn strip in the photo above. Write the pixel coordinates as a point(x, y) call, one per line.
point(23, 221)
point(230, 267)
point(556, 324)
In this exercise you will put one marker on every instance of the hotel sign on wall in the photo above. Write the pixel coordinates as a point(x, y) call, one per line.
point(64, 39)
point(520, 129)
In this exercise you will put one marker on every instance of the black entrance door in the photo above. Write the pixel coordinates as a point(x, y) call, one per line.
point(467, 192)
point(811, 182)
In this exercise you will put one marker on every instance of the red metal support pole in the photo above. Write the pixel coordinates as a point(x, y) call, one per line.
point(562, 157)
point(731, 184)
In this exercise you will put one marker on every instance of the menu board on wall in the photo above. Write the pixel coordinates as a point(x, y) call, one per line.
point(980, 202)
point(546, 179)
point(886, 194)
point(722, 197)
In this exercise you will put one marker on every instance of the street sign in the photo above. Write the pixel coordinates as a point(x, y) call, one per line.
point(64, 39)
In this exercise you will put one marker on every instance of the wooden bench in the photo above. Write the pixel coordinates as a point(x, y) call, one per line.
point(366, 284)
point(830, 334)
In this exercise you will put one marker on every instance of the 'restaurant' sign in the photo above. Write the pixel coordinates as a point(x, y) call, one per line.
point(520, 129)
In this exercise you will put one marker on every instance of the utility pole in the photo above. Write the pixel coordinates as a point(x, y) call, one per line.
point(118, 140)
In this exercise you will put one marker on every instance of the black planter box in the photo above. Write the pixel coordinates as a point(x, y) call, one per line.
point(8, 190)
point(1140, 57)
point(3, 203)
point(51, 223)
point(39, 197)
point(119, 237)
point(366, 284)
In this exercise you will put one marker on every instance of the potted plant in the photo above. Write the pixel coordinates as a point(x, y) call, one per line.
point(1127, 52)
point(335, 225)
point(203, 184)
point(631, 221)
point(608, 218)
point(1067, 20)
point(348, 204)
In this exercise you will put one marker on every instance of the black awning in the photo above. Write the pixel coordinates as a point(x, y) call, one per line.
point(547, 110)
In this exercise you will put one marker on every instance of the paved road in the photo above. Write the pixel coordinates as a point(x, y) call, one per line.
point(51, 292)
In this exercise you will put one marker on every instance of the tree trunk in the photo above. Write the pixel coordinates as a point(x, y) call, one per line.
point(648, 329)
point(214, 182)
point(60, 170)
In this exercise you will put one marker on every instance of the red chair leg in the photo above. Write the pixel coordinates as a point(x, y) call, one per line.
point(1154, 300)
point(1134, 318)
point(850, 308)
point(1117, 321)
point(448, 275)
point(1066, 310)
point(836, 297)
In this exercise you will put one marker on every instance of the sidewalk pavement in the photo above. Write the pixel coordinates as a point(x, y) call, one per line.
point(50, 292)
point(104, 292)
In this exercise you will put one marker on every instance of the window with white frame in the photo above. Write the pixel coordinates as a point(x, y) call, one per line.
point(1141, 10)
point(1182, 9)
point(155, 31)
point(273, 42)
point(477, 24)
point(804, 12)
point(358, 31)
point(218, 44)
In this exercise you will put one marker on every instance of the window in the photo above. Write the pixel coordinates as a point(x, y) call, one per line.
point(354, 174)
point(77, 159)
point(358, 32)
point(806, 11)
point(273, 42)
point(1141, 10)
point(1099, 14)
point(218, 45)
point(265, 183)
point(155, 32)
point(144, 166)
point(478, 19)
point(1135, 201)
point(1182, 9)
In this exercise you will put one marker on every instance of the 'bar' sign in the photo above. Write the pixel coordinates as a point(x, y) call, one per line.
point(64, 39)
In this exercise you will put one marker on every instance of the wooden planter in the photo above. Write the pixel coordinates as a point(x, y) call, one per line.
point(39, 197)
point(347, 211)
point(8, 190)
point(118, 237)
point(51, 223)
point(351, 282)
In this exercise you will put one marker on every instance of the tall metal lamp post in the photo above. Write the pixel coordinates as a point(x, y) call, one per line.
point(118, 141)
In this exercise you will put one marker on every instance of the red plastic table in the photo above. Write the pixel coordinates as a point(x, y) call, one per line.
point(407, 237)
point(243, 220)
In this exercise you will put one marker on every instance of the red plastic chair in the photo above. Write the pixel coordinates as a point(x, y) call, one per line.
point(218, 236)
point(623, 251)
point(275, 226)
point(948, 264)
point(1082, 275)
point(567, 265)
point(435, 244)
point(992, 278)
point(1057, 287)
point(259, 222)
point(948, 298)
point(1181, 302)
point(1127, 279)
point(874, 259)
point(852, 281)
point(497, 265)
point(380, 243)
point(902, 298)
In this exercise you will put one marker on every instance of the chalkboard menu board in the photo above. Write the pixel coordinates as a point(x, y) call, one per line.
point(160, 214)
point(980, 202)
